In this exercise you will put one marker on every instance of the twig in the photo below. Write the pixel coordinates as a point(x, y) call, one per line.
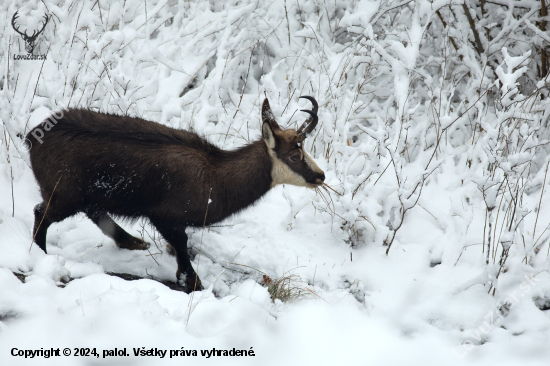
point(479, 47)
point(462, 251)
point(314, 293)
point(245, 81)
point(199, 259)
point(44, 215)
point(540, 200)
point(332, 189)
point(225, 268)
point(384, 11)
point(78, 260)
point(288, 23)
point(242, 265)
point(453, 42)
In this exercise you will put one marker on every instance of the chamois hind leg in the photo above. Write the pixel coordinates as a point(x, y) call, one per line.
point(113, 230)
point(175, 235)
point(44, 216)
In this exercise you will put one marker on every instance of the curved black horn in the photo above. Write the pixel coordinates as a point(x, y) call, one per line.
point(313, 101)
point(312, 121)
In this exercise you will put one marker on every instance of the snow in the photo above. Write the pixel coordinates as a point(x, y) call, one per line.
point(431, 247)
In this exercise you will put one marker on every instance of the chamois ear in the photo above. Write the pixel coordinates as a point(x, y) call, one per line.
point(268, 117)
point(268, 135)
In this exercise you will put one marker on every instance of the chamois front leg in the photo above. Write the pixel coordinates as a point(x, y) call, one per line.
point(175, 235)
point(45, 215)
point(41, 224)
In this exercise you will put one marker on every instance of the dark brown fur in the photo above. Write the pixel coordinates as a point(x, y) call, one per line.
point(129, 167)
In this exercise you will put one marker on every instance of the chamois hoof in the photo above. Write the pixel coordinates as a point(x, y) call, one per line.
point(188, 282)
point(132, 243)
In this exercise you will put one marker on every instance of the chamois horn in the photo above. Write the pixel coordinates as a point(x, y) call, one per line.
point(310, 124)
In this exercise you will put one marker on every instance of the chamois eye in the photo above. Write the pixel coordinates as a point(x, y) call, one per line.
point(295, 158)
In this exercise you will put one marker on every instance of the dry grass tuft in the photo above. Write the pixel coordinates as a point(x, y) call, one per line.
point(284, 288)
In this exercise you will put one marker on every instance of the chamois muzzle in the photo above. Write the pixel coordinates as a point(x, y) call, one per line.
point(320, 179)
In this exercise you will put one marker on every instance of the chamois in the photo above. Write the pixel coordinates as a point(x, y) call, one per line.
point(106, 164)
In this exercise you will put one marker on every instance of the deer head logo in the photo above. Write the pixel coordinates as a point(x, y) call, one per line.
point(29, 40)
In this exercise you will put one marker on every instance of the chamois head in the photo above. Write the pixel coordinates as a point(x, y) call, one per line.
point(291, 163)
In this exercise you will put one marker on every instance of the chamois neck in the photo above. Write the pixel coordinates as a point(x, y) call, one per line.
point(241, 177)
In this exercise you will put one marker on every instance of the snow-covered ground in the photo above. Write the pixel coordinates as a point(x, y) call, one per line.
point(434, 156)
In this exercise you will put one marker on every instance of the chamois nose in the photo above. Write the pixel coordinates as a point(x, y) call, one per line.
point(321, 178)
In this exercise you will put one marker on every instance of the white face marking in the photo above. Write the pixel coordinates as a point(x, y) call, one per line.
point(282, 174)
